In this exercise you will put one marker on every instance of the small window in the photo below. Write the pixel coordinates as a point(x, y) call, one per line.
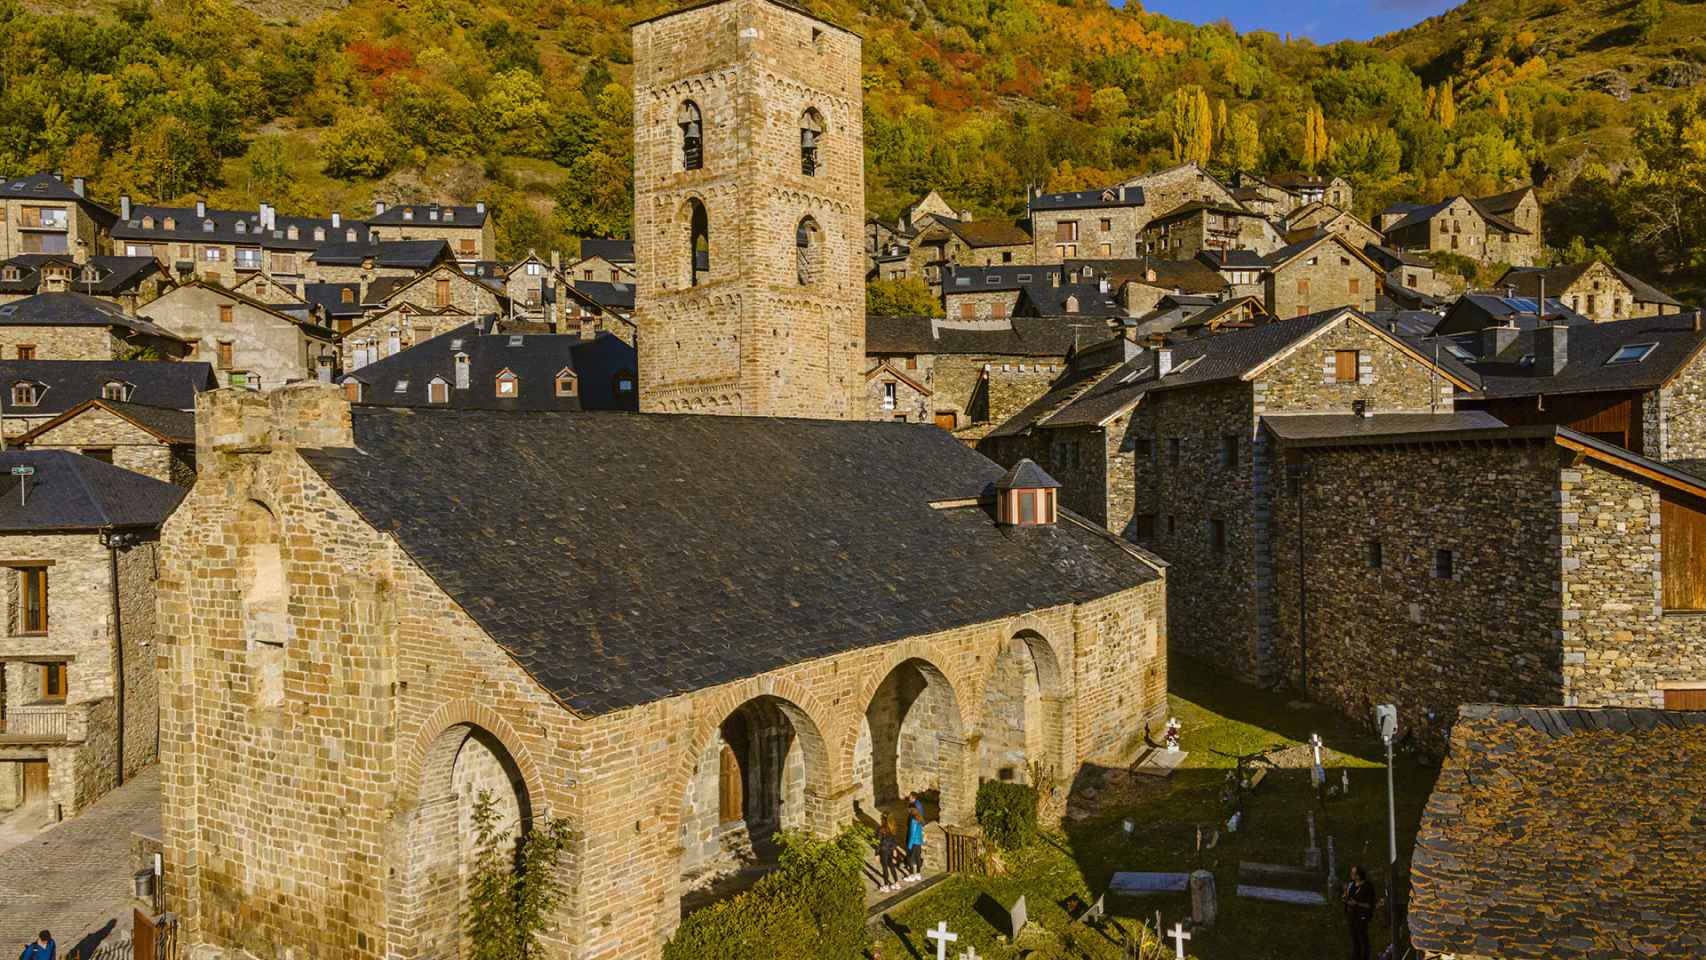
point(1445, 564)
point(32, 599)
point(346, 295)
point(1376, 555)
point(103, 454)
point(1229, 451)
point(171, 223)
point(53, 684)
point(401, 387)
point(624, 382)
point(1633, 353)
point(692, 127)
point(26, 351)
point(438, 391)
point(1345, 364)
point(811, 135)
point(1175, 448)
point(25, 394)
point(1027, 506)
point(441, 292)
point(352, 390)
point(1217, 537)
point(225, 359)
point(114, 390)
point(1143, 526)
point(508, 385)
point(566, 383)
point(1172, 525)
point(225, 313)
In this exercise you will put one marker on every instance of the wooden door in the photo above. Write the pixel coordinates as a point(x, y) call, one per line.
point(35, 780)
point(145, 936)
point(729, 799)
point(1686, 699)
point(947, 421)
point(1682, 530)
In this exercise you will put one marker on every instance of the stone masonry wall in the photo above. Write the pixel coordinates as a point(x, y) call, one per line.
point(132, 447)
point(58, 343)
point(1335, 279)
point(981, 303)
point(1682, 414)
point(263, 343)
point(1118, 240)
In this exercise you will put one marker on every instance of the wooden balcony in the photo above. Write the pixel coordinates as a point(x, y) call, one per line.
point(39, 725)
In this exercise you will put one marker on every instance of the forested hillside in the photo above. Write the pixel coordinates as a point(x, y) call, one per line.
point(526, 103)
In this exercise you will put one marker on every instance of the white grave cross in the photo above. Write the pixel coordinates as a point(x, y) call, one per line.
point(943, 938)
point(1179, 937)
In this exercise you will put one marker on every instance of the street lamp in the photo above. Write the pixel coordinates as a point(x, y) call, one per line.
point(1386, 718)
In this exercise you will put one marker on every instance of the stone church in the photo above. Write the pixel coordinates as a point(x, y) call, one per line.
point(677, 632)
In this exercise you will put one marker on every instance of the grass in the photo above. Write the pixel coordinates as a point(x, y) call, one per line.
point(1079, 859)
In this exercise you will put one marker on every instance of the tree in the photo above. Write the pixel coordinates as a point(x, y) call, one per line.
point(1316, 146)
point(1445, 105)
point(361, 145)
point(1243, 148)
point(1192, 124)
point(1646, 17)
point(514, 885)
point(910, 297)
point(596, 199)
point(1108, 105)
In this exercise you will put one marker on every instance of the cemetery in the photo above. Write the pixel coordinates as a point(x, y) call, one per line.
point(1154, 848)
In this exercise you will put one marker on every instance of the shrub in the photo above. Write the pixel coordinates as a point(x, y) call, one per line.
point(1007, 812)
point(812, 906)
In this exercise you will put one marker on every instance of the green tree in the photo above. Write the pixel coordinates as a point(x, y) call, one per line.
point(1646, 17)
point(514, 884)
point(268, 167)
point(362, 145)
point(1192, 123)
point(1445, 105)
point(596, 199)
point(1242, 149)
point(910, 297)
point(1108, 105)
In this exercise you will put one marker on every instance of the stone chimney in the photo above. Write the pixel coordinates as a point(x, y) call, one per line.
point(124, 206)
point(337, 220)
point(77, 186)
point(237, 422)
point(200, 209)
point(480, 207)
point(1163, 361)
point(1103, 284)
point(378, 207)
point(1054, 277)
point(1496, 339)
point(1551, 349)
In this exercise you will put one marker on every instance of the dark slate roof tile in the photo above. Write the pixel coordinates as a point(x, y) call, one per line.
point(534, 358)
point(1019, 337)
point(72, 492)
point(76, 310)
point(157, 383)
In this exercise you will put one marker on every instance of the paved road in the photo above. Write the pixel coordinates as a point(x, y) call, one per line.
point(75, 877)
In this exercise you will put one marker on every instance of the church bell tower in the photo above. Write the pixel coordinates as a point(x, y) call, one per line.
point(749, 200)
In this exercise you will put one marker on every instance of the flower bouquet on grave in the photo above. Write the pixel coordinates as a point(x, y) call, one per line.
point(1171, 736)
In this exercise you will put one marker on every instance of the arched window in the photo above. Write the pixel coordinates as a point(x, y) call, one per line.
point(811, 132)
point(115, 390)
point(147, 223)
point(171, 223)
point(808, 250)
point(438, 391)
point(698, 242)
point(692, 125)
point(24, 394)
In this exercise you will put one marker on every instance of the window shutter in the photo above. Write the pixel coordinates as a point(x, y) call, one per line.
point(1329, 367)
point(1365, 368)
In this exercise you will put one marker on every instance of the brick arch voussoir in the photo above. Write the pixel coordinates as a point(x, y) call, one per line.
point(959, 685)
point(472, 713)
point(708, 717)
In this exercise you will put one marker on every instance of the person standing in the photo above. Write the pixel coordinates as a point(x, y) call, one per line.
point(43, 949)
point(914, 841)
point(888, 856)
point(1359, 899)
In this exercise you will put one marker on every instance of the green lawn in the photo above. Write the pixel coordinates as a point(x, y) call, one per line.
point(1080, 858)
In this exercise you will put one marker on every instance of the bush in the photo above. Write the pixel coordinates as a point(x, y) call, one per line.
point(1007, 812)
point(812, 906)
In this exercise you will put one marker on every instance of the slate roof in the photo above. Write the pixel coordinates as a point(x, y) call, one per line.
point(1526, 280)
point(1588, 347)
point(76, 310)
point(1407, 323)
point(1018, 337)
point(534, 358)
point(629, 579)
point(990, 233)
point(399, 254)
point(112, 275)
point(1233, 259)
point(1003, 278)
point(241, 227)
point(1565, 833)
point(1190, 207)
point(1474, 312)
point(1317, 426)
point(156, 383)
point(1390, 258)
point(611, 296)
point(1188, 276)
point(1026, 474)
point(166, 424)
point(46, 186)
point(429, 215)
point(73, 492)
point(329, 298)
point(614, 250)
point(1088, 393)
point(1048, 300)
point(1415, 214)
point(1502, 203)
point(1088, 199)
point(1290, 252)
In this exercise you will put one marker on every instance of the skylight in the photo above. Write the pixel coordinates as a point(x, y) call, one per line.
point(402, 386)
point(516, 341)
point(1632, 353)
point(1456, 350)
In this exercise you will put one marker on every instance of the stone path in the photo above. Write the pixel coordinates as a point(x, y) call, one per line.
point(75, 877)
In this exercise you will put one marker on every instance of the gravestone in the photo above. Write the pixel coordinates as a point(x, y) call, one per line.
point(1312, 856)
point(1016, 918)
point(1306, 898)
point(1097, 910)
point(1161, 763)
point(1137, 884)
point(1205, 903)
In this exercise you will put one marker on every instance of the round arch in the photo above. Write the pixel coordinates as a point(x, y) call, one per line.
point(1021, 718)
point(910, 738)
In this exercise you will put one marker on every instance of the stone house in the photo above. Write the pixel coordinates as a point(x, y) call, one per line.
point(444, 286)
point(1262, 197)
point(1180, 433)
point(1319, 274)
point(1594, 289)
point(604, 258)
point(1195, 226)
point(1093, 298)
point(1639, 384)
point(49, 388)
point(156, 442)
point(79, 699)
point(978, 372)
point(248, 342)
point(1548, 567)
point(41, 213)
point(380, 265)
point(1314, 188)
point(1504, 228)
point(388, 332)
point(1475, 311)
point(811, 713)
point(945, 243)
point(126, 281)
point(468, 230)
point(227, 246)
point(890, 394)
point(1604, 862)
point(1171, 187)
point(990, 293)
point(472, 367)
point(1087, 224)
point(76, 326)
point(1408, 272)
point(1326, 218)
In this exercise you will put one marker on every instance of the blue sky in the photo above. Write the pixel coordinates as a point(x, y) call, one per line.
point(1323, 21)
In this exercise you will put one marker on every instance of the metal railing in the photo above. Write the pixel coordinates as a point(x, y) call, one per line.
point(51, 723)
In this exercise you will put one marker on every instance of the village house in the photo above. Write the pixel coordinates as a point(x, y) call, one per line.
point(1408, 276)
point(468, 231)
point(76, 326)
point(1311, 188)
point(41, 213)
point(227, 246)
point(1171, 187)
point(472, 368)
point(1319, 274)
point(1504, 228)
point(249, 343)
point(1325, 218)
point(126, 281)
point(1195, 226)
point(946, 242)
point(36, 391)
point(1548, 567)
point(376, 262)
point(79, 695)
point(605, 259)
point(156, 442)
point(976, 373)
point(1594, 289)
point(1085, 224)
point(1562, 832)
point(389, 331)
point(764, 693)
point(1475, 311)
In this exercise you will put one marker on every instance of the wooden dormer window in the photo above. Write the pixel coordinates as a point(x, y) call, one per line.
point(1026, 496)
point(565, 382)
point(438, 391)
point(25, 394)
point(352, 390)
point(508, 385)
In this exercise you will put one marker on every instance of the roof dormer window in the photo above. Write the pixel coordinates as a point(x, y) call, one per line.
point(9, 273)
point(349, 235)
point(242, 226)
point(346, 295)
point(170, 223)
point(115, 390)
point(508, 385)
point(25, 394)
point(147, 223)
point(438, 391)
point(291, 233)
point(565, 382)
point(1025, 496)
point(408, 213)
point(207, 226)
point(319, 233)
point(449, 214)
